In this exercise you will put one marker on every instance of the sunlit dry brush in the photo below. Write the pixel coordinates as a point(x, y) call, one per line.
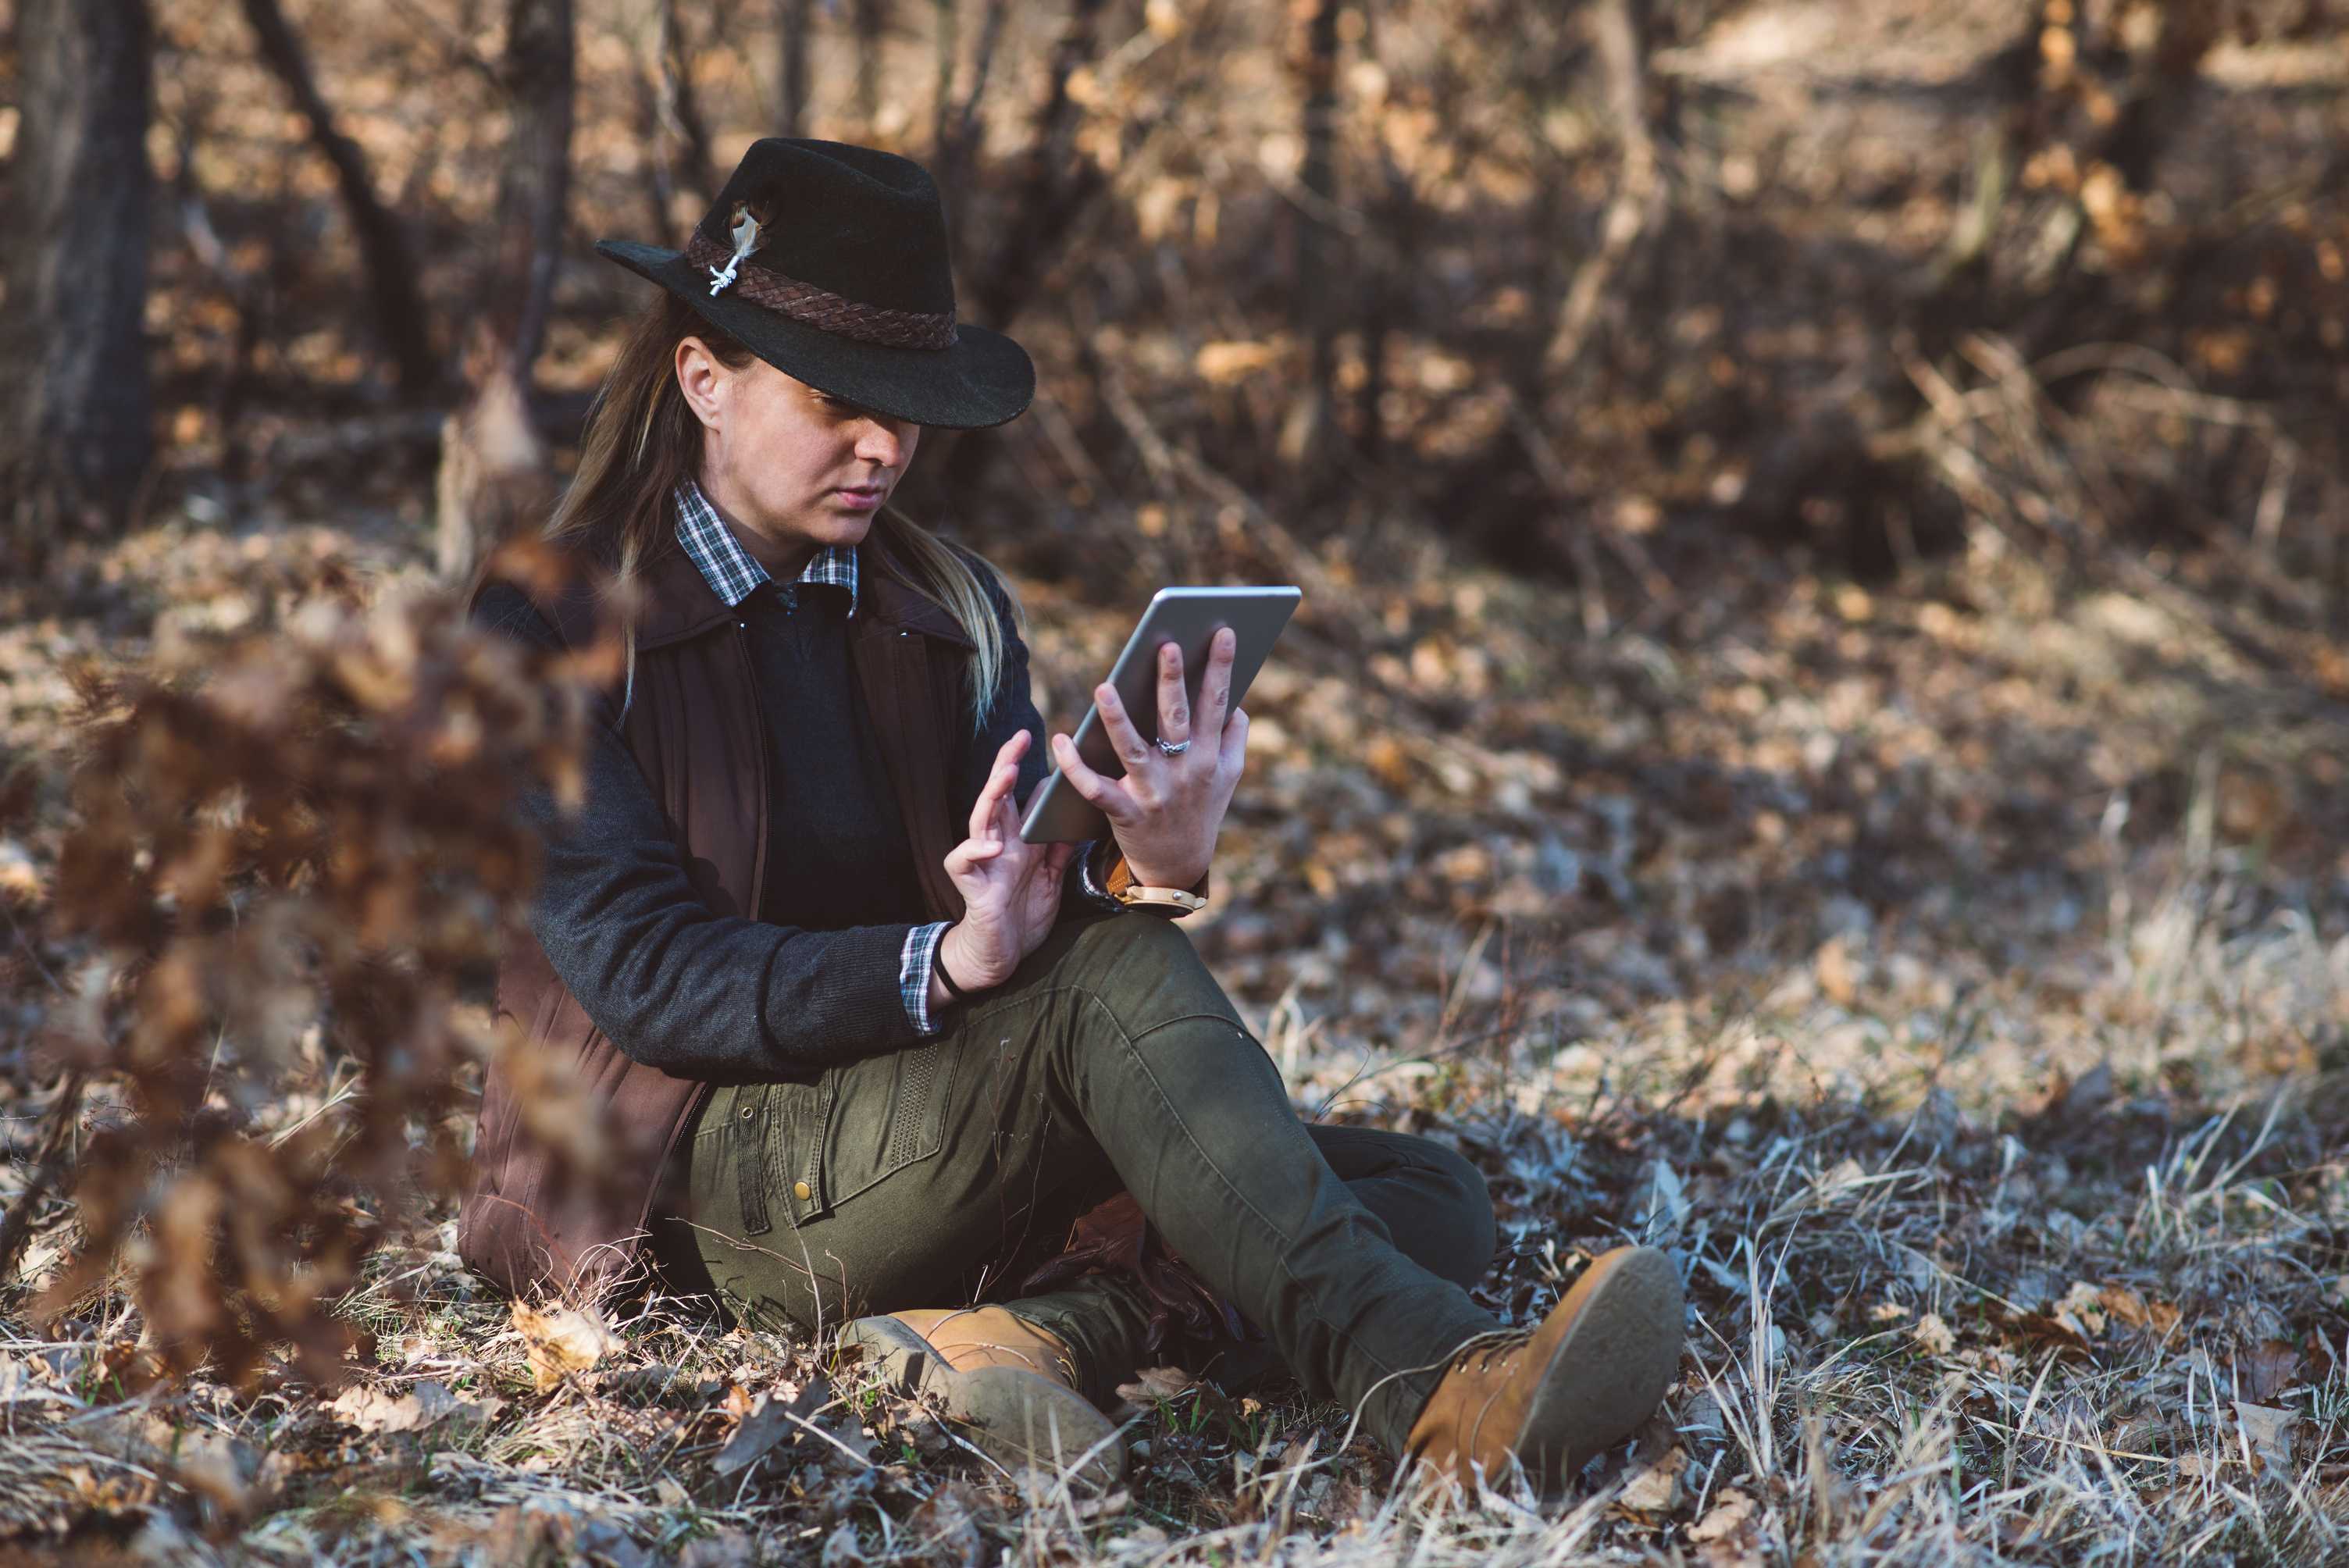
point(290, 848)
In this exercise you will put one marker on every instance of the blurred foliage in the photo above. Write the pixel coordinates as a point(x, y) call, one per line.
point(289, 853)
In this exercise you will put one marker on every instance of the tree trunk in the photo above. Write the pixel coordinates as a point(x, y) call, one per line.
point(1054, 189)
point(957, 129)
point(1305, 439)
point(870, 19)
point(680, 117)
point(399, 317)
point(791, 97)
point(75, 403)
point(945, 20)
point(494, 475)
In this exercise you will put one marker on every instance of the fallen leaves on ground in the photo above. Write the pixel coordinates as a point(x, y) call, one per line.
point(563, 1341)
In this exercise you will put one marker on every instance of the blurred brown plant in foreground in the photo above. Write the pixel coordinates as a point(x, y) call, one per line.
point(294, 845)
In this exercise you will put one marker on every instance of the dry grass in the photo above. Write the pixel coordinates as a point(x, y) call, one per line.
point(2106, 1335)
point(2009, 1230)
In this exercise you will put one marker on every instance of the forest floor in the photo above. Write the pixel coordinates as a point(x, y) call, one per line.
point(1945, 971)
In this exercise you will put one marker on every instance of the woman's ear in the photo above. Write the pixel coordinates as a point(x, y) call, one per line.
point(702, 380)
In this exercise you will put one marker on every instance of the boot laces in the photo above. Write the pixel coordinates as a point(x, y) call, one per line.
point(1479, 1352)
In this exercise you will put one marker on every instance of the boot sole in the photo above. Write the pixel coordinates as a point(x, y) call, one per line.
point(1013, 1416)
point(1618, 1350)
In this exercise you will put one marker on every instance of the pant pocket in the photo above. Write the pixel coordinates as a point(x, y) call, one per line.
point(887, 1113)
point(769, 1162)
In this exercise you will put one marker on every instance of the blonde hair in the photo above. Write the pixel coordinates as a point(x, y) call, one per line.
point(643, 441)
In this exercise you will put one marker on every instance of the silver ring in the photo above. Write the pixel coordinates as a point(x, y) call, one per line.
point(1175, 749)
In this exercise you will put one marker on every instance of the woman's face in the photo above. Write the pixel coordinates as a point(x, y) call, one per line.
point(791, 468)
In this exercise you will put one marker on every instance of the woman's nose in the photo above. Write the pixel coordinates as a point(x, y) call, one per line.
point(882, 442)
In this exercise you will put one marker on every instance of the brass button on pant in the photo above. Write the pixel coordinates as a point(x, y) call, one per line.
point(896, 1182)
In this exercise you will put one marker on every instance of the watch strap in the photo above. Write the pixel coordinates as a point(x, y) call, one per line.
point(1118, 879)
point(1137, 895)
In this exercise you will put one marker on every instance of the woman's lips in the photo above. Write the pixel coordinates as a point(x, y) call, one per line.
point(862, 498)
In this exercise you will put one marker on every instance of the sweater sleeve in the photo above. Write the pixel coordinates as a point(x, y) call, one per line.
point(670, 983)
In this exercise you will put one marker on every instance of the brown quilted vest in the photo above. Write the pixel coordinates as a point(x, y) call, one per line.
point(693, 726)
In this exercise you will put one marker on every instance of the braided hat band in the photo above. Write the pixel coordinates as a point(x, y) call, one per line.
point(816, 307)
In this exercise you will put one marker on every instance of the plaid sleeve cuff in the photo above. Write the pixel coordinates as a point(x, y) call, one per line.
point(913, 966)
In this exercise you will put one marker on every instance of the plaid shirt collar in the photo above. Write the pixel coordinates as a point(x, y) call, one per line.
point(730, 571)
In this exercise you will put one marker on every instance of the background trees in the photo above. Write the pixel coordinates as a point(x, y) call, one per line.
point(75, 407)
point(495, 471)
point(1681, 259)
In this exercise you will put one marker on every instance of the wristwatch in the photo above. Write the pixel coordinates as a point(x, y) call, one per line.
point(1119, 884)
point(1134, 895)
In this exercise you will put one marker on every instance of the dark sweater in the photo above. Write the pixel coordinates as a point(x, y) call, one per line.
point(815, 979)
point(846, 860)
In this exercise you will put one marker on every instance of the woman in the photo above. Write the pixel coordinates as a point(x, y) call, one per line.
point(879, 1056)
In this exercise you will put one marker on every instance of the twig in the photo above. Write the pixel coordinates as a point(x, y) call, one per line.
point(31, 953)
point(1635, 192)
point(1167, 462)
point(400, 317)
point(47, 1163)
point(1561, 485)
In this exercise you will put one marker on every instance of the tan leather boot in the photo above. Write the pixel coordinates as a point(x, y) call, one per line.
point(971, 1337)
point(1010, 1386)
point(1551, 1397)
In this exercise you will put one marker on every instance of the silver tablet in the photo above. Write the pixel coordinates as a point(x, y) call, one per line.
point(1189, 618)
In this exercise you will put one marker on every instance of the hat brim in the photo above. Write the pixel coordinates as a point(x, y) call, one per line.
point(984, 379)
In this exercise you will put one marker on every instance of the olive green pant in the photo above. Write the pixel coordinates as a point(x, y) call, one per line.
point(938, 1175)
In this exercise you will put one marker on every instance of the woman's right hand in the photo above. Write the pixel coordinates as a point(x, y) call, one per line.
point(1010, 888)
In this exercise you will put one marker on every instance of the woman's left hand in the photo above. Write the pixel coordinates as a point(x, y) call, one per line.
point(1167, 809)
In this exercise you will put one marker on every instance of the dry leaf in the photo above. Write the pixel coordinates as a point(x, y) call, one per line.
point(23, 1383)
point(2270, 1368)
point(767, 1423)
point(945, 1531)
point(567, 1340)
point(1832, 967)
point(1655, 1488)
point(727, 1549)
point(2125, 1304)
point(1155, 1383)
point(2044, 1331)
point(381, 1411)
point(2083, 1308)
point(1227, 364)
point(842, 1549)
point(1933, 1335)
point(1729, 1535)
point(426, 1405)
point(2269, 1431)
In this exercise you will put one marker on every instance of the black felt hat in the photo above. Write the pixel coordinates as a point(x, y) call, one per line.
point(828, 262)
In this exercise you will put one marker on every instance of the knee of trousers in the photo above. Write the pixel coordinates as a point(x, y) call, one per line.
point(1145, 969)
point(1468, 1246)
